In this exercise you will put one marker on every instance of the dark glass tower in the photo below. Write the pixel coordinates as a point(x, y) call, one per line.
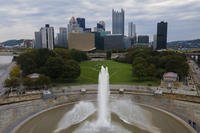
point(161, 35)
point(81, 22)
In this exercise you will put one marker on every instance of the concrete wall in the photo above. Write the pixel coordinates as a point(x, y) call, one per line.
point(12, 115)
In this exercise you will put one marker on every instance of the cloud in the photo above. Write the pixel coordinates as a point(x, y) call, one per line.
point(21, 18)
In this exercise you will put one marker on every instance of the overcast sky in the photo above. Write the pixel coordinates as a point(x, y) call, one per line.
point(21, 18)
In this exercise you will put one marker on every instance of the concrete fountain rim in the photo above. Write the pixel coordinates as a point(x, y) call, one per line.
point(72, 103)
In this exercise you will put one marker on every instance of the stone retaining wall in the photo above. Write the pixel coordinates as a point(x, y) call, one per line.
point(11, 115)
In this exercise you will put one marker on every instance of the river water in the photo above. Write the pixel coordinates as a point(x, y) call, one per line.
point(4, 63)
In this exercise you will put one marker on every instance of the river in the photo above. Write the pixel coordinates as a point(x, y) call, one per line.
point(5, 63)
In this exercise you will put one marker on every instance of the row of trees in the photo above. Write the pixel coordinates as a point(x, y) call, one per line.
point(59, 64)
point(149, 64)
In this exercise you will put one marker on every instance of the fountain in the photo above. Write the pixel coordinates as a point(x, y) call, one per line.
point(119, 115)
point(103, 123)
point(103, 98)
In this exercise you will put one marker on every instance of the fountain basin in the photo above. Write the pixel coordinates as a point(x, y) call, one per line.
point(47, 121)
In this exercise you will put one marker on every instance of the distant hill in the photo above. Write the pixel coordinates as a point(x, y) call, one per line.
point(185, 44)
point(12, 42)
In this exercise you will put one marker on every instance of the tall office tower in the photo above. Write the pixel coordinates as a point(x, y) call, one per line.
point(101, 25)
point(81, 22)
point(161, 35)
point(73, 26)
point(38, 40)
point(118, 22)
point(154, 41)
point(47, 36)
point(131, 29)
point(62, 37)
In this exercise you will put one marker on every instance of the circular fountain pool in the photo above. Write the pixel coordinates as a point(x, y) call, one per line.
point(104, 116)
point(126, 117)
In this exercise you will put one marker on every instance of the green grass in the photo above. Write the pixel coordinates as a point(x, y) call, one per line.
point(120, 73)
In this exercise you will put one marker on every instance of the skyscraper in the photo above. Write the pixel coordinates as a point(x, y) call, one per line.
point(47, 34)
point(101, 25)
point(131, 29)
point(45, 37)
point(62, 37)
point(118, 22)
point(73, 26)
point(161, 35)
point(81, 22)
point(38, 40)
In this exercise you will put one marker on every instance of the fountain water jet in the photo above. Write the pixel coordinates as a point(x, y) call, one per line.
point(104, 117)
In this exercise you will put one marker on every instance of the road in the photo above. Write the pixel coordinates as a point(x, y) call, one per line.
point(195, 75)
point(4, 76)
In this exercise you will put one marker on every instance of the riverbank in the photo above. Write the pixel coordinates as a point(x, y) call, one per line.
point(4, 76)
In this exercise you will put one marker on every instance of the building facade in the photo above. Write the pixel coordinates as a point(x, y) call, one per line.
point(114, 42)
point(62, 37)
point(81, 22)
point(73, 26)
point(161, 35)
point(131, 29)
point(45, 37)
point(118, 22)
point(143, 39)
point(38, 40)
point(81, 41)
point(47, 33)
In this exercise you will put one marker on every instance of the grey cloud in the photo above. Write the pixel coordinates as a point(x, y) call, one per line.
point(182, 15)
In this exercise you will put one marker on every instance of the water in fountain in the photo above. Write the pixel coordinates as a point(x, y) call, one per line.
point(125, 109)
point(103, 98)
point(79, 113)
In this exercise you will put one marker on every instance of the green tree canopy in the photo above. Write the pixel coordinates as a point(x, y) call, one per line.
point(54, 67)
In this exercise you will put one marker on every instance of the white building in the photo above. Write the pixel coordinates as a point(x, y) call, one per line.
point(131, 29)
point(45, 37)
point(47, 33)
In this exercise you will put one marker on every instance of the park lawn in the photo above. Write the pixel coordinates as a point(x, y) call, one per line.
point(120, 73)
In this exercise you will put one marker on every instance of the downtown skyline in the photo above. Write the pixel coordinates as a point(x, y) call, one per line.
point(20, 18)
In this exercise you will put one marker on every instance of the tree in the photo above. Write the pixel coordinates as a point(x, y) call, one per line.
point(108, 55)
point(42, 55)
point(71, 71)
point(63, 53)
point(140, 71)
point(11, 83)
point(78, 55)
point(28, 83)
point(27, 63)
point(41, 82)
point(15, 72)
point(54, 67)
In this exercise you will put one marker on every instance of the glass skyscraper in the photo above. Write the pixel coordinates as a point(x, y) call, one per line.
point(118, 22)
point(131, 29)
point(161, 35)
point(81, 22)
